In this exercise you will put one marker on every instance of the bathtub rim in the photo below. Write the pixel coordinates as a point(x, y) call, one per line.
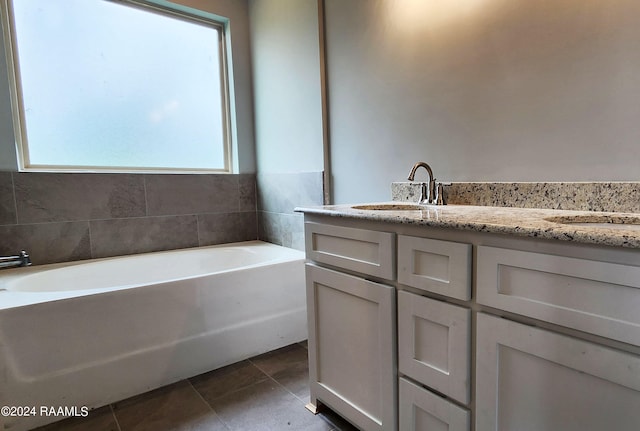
point(10, 299)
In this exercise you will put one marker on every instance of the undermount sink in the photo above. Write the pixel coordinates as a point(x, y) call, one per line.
point(599, 221)
point(389, 207)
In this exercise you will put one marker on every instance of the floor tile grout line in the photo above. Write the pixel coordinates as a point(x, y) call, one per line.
point(113, 413)
point(302, 402)
point(269, 376)
point(260, 380)
point(201, 397)
point(222, 421)
point(273, 378)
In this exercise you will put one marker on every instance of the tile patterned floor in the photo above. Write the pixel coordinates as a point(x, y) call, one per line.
point(264, 393)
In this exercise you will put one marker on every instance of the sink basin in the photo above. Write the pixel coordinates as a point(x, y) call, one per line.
point(600, 221)
point(389, 207)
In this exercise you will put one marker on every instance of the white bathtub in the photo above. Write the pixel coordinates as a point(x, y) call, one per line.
point(94, 332)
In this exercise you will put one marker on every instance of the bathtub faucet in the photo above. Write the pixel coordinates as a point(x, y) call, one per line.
point(12, 261)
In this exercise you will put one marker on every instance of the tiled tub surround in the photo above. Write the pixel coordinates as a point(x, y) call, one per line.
point(60, 217)
point(278, 195)
point(580, 196)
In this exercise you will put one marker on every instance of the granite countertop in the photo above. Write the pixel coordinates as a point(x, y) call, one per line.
point(523, 222)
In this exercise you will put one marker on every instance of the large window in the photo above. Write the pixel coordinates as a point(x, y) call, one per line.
point(117, 85)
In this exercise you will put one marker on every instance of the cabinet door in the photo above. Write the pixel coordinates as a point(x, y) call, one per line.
point(530, 379)
point(421, 410)
point(352, 355)
point(434, 344)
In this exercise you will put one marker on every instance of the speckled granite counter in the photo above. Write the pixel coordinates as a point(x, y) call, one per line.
point(576, 196)
point(523, 222)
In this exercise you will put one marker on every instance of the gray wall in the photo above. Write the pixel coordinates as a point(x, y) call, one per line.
point(288, 115)
point(243, 139)
point(286, 82)
point(493, 90)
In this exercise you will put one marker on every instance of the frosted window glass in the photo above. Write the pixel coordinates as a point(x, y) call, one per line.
point(112, 85)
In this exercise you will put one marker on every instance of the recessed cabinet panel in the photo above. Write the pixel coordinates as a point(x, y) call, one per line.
point(421, 410)
point(530, 379)
point(598, 297)
point(434, 344)
point(442, 267)
point(360, 250)
point(352, 347)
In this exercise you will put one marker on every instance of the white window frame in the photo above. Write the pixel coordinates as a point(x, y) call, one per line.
point(162, 7)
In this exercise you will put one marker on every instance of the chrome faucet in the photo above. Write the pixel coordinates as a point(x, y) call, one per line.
point(432, 183)
point(13, 261)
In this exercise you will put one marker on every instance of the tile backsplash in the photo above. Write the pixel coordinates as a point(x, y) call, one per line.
point(581, 196)
point(60, 217)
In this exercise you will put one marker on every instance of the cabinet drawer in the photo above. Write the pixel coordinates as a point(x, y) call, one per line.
point(421, 410)
point(365, 251)
point(442, 267)
point(434, 344)
point(598, 297)
point(528, 378)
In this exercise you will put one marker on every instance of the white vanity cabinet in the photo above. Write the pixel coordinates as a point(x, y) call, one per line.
point(494, 332)
point(530, 379)
point(352, 326)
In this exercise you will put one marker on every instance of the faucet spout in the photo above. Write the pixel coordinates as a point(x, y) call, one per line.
point(432, 183)
point(22, 259)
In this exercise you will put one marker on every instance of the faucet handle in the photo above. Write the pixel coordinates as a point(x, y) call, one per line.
point(424, 194)
point(440, 195)
point(25, 258)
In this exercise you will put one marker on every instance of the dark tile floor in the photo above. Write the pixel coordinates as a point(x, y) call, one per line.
point(264, 393)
